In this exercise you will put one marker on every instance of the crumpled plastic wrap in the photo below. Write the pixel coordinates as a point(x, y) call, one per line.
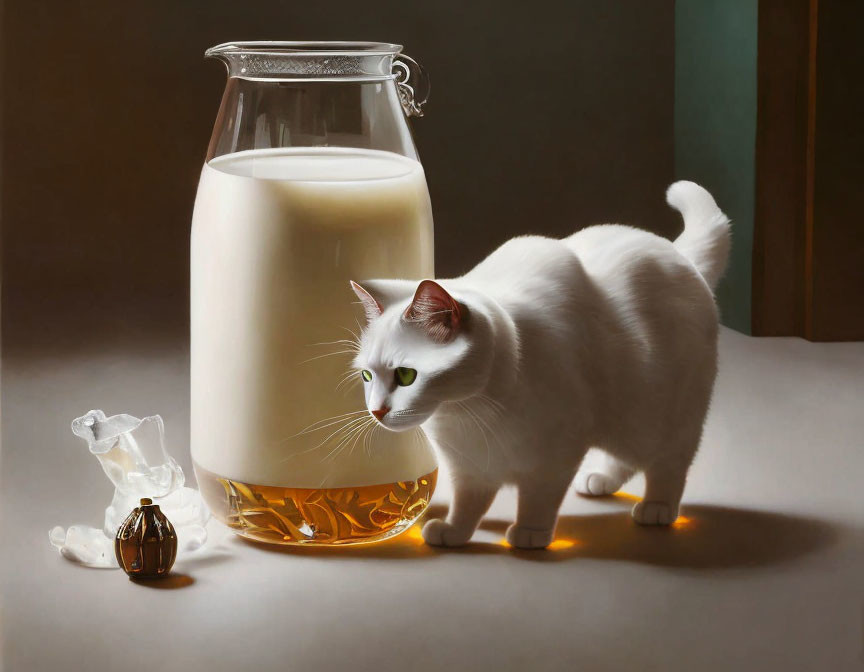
point(132, 454)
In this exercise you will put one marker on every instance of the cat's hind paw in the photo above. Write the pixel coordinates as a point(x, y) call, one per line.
point(654, 513)
point(595, 484)
point(439, 532)
point(524, 537)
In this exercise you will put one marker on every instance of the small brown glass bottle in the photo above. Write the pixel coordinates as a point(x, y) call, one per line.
point(146, 543)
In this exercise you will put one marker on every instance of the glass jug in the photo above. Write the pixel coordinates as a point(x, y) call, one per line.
point(311, 180)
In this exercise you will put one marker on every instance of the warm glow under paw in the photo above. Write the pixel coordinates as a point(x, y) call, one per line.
point(680, 521)
point(557, 545)
point(415, 533)
point(627, 496)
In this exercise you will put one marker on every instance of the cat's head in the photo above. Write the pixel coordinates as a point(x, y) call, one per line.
point(421, 347)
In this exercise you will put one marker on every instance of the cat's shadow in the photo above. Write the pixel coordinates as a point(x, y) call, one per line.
point(707, 537)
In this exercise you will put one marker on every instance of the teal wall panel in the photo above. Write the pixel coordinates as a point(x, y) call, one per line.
point(715, 126)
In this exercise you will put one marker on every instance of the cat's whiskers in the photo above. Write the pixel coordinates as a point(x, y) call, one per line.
point(452, 447)
point(361, 438)
point(345, 440)
point(356, 435)
point(354, 336)
point(347, 428)
point(348, 347)
point(488, 405)
point(349, 385)
point(470, 414)
point(326, 422)
point(329, 354)
point(420, 438)
point(406, 413)
point(496, 410)
point(351, 343)
point(347, 378)
point(459, 413)
point(367, 440)
point(494, 404)
point(482, 424)
point(347, 425)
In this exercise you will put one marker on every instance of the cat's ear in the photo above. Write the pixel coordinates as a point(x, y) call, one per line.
point(436, 311)
point(370, 304)
point(378, 295)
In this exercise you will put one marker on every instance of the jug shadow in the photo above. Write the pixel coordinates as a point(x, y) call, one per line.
point(172, 581)
point(706, 537)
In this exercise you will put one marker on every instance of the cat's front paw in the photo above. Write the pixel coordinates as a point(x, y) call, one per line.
point(654, 513)
point(525, 537)
point(595, 484)
point(439, 532)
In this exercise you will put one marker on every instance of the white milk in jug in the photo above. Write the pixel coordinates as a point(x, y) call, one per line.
point(276, 236)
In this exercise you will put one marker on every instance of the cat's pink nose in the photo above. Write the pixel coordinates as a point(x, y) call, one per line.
point(381, 412)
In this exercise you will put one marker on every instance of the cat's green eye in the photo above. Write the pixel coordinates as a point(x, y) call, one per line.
point(366, 375)
point(405, 376)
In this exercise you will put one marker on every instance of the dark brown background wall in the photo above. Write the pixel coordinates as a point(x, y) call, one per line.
point(836, 274)
point(543, 118)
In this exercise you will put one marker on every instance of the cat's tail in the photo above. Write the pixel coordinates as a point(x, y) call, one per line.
point(705, 241)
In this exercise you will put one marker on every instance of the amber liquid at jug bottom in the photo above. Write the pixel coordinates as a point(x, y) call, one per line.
point(317, 517)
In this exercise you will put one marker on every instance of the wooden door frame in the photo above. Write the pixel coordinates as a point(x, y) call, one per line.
point(785, 168)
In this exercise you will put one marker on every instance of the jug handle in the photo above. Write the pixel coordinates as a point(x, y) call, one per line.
point(412, 83)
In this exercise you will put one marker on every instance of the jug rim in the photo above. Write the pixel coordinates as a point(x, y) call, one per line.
point(305, 48)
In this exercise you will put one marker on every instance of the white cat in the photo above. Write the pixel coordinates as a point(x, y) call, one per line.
point(606, 339)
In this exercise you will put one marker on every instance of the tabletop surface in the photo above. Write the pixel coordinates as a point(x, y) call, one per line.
point(764, 573)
